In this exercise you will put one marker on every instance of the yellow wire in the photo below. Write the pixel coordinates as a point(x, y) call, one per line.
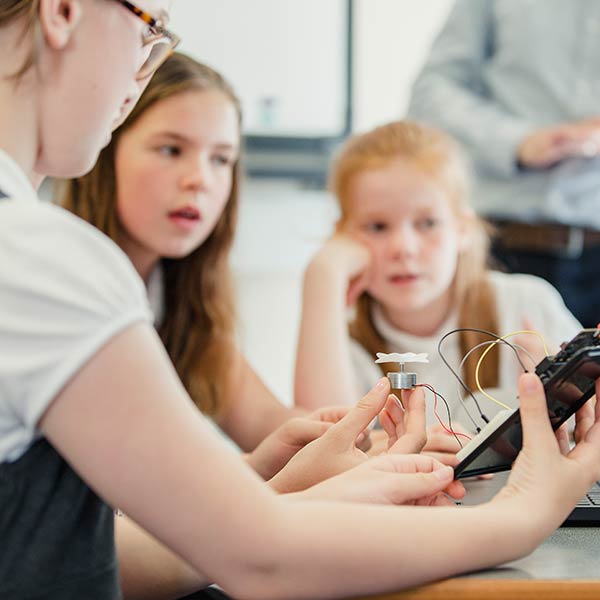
point(490, 347)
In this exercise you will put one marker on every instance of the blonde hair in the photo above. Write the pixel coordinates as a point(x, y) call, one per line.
point(198, 327)
point(28, 12)
point(439, 156)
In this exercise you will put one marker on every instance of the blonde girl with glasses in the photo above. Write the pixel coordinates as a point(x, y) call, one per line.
point(93, 414)
point(410, 257)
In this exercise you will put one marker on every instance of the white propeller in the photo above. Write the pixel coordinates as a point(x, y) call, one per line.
point(402, 358)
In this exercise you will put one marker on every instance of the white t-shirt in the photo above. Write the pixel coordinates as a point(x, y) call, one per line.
point(65, 290)
point(155, 288)
point(519, 299)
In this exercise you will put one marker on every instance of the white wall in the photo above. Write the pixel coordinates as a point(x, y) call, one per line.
point(280, 227)
point(281, 224)
point(392, 40)
point(285, 58)
point(292, 50)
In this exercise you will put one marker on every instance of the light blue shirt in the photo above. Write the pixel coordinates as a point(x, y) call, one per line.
point(501, 69)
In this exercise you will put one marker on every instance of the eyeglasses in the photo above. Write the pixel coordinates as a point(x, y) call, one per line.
point(160, 40)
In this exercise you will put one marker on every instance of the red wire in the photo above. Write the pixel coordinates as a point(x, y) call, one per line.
point(435, 412)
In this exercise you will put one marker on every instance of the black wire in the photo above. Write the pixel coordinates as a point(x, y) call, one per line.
point(430, 387)
point(459, 378)
point(460, 366)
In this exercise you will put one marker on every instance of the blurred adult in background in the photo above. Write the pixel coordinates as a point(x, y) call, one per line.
point(518, 83)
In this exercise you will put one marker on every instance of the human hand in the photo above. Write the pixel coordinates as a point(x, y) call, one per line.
point(392, 479)
point(336, 450)
point(379, 442)
point(545, 147)
point(584, 419)
point(590, 145)
point(332, 414)
point(404, 422)
point(403, 425)
point(442, 445)
point(274, 452)
point(343, 257)
point(547, 474)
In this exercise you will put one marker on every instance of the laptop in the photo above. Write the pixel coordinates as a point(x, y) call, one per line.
point(585, 514)
point(587, 511)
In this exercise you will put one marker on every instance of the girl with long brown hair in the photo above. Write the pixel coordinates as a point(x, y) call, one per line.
point(410, 256)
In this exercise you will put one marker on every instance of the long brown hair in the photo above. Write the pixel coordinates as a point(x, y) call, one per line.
point(440, 157)
point(198, 326)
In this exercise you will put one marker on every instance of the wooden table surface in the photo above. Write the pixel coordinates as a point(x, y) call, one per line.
point(566, 566)
point(501, 589)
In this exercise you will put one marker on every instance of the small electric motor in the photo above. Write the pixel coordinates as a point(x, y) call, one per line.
point(402, 380)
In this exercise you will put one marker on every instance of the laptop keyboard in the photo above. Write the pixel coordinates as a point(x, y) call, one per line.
point(592, 498)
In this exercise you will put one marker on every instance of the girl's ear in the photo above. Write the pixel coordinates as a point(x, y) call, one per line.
point(58, 19)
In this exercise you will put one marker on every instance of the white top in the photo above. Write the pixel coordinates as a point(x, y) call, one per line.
point(519, 299)
point(155, 288)
point(65, 290)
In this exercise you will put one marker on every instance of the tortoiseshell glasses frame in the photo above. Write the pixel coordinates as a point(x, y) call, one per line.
point(161, 40)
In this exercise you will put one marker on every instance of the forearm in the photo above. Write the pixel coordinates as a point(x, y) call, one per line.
point(324, 374)
point(251, 412)
point(141, 444)
point(148, 570)
point(404, 546)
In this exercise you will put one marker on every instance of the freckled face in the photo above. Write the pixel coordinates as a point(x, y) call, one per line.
point(406, 221)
